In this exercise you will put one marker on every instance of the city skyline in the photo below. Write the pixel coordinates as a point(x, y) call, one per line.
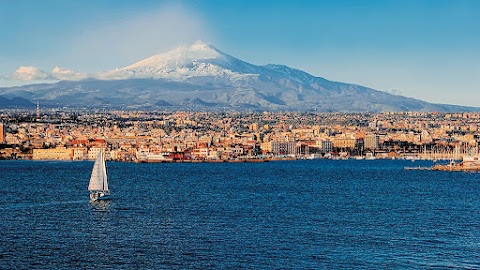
point(420, 49)
point(180, 136)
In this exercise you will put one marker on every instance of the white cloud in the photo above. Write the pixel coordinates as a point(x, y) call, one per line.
point(119, 43)
point(29, 73)
point(67, 74)
point(114, 74)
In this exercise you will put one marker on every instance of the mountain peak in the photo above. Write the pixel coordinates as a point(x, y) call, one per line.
point(201, 46)
point(195, 60)
point(180, 56)
point(196, 50)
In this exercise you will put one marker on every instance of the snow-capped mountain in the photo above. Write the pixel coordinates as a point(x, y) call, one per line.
point(200, 77)
point(196, 60)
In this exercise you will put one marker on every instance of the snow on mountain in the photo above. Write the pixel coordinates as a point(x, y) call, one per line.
point(180, 56)
point(197, 60)
point(202, 63)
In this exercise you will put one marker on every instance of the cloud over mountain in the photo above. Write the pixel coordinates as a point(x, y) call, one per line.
point(126, 39)
point(33, 74)
point(58, 73)
point(29, 73)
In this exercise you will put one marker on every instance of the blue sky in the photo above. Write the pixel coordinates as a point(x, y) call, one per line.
point(419, 48)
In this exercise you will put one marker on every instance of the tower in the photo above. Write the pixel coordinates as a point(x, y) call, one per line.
point(38, 110)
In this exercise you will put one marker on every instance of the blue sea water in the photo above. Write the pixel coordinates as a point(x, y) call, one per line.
point(318, 214)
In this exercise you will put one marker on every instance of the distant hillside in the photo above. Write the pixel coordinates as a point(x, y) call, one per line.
point(16, 102)
point(200, 77)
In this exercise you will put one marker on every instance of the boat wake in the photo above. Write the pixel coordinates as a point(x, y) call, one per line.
point(35, 205)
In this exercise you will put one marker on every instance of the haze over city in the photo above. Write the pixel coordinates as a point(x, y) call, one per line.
point(419, 49)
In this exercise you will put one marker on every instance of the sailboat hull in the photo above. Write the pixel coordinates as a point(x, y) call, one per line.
point(104, 198)
point(100, 196)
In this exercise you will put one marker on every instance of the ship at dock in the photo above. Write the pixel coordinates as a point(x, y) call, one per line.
point(468, 164)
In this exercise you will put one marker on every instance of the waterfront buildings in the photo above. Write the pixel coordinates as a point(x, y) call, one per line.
point(201, 136)
point(57, 153)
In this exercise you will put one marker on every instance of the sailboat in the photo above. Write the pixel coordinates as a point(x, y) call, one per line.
point(98, 186)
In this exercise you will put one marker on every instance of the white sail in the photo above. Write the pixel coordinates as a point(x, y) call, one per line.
point(98, 180)
point(104, 170)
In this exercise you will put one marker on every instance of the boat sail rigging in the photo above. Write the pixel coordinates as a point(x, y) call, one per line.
point(98, 185)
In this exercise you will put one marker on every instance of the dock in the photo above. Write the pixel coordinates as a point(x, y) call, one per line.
point(419, 168)
point(446, 168)
point(456, 168)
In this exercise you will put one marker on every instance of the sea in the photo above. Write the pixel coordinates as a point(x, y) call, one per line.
point(305, 214)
